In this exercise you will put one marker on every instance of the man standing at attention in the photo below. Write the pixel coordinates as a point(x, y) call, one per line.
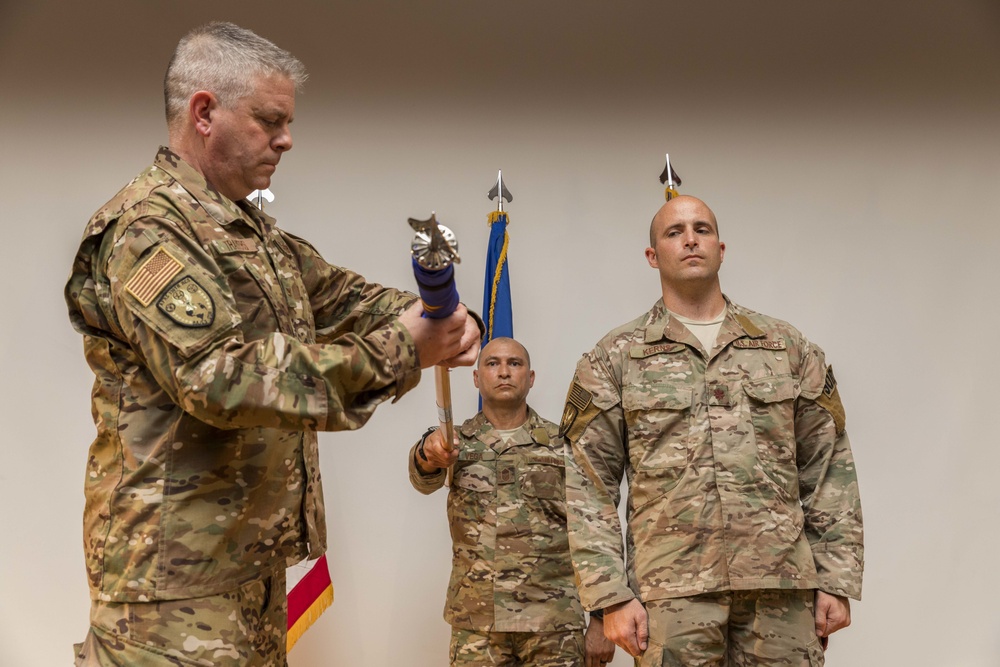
point(744, 537)
point(511, 600)
point(221, 344)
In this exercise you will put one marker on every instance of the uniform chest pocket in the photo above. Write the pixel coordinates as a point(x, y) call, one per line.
point(544, 479)
point(772, 412)
point(659, 425)
point(253, 291)
point(475, 477)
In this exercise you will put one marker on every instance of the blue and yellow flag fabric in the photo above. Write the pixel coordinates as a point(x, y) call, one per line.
point(496, 292)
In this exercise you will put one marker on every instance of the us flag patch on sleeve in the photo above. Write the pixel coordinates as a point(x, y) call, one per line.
point(154, 275)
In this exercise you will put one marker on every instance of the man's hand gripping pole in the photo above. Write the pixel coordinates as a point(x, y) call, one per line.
point(435, 252)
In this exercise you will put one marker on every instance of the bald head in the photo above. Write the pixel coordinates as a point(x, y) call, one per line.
point(669, 212)
point(503, 378)
point(491, 349)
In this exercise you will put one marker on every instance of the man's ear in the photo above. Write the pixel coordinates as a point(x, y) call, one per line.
point(651, 258)
point(200, 107)
point(475, 378)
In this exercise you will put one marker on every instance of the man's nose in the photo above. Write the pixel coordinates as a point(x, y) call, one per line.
point(283, 142)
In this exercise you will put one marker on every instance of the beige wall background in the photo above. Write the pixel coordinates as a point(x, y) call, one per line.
point(850, 150)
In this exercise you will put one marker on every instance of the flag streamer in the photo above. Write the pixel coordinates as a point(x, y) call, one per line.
point(308, 597)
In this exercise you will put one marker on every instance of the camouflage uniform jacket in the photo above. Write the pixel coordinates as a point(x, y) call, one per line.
point(221, 344)
point(507, 512)
point(740, 472)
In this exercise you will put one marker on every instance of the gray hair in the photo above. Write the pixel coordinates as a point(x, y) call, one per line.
point(225, 60)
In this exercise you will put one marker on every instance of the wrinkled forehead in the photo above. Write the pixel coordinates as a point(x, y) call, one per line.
point(684, 209)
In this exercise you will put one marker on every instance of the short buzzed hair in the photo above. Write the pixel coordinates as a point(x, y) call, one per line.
point(527, 356)
point(225, 60)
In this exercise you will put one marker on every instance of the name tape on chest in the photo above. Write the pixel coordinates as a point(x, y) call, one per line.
point(649, 350)
point(234, 246)
point(758, 344)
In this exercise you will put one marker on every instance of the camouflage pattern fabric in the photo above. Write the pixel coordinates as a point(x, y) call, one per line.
point(758, 628)
point(242, 628)
point(220, 344)
point(740, 473)
point(538, 649)
point(507, 512)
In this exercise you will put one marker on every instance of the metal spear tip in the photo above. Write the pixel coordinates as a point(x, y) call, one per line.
point(669, 174)
point(434, 246)
point(500, 190)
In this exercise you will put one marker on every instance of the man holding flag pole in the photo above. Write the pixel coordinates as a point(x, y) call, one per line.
point(511, 599)
point(220, 345)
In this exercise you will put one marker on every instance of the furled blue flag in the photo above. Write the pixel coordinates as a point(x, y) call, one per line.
point(496, 293)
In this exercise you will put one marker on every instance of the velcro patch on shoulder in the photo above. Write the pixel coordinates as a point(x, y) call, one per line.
point(188, 304)
point(152, 276)
point(540, 435)
point(578, 413)
point(830, 401)
point(579, 396)
point(757, 343)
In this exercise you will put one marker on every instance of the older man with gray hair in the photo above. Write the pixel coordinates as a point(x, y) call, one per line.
point(220, 345)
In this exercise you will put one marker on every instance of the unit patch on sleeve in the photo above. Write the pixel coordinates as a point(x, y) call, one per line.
point(154, 274)
point(187, 303)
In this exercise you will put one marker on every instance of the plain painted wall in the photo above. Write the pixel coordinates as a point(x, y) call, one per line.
point(850, 150)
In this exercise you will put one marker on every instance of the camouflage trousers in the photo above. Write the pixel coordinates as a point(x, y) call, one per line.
point(246, 627)
point(509, 649)
point(734, 629)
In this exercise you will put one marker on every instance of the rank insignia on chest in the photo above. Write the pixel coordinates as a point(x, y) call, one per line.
point(188, 304)
point(505, 473)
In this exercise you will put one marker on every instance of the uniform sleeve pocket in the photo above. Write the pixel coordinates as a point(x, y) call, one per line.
point(181, 302)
